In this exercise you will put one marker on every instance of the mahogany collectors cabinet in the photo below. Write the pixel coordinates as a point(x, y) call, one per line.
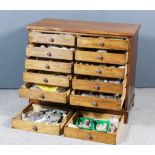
point(95, 62)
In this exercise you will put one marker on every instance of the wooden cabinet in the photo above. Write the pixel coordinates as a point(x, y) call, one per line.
point(95, 63)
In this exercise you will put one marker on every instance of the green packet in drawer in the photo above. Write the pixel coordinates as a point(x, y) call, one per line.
point(84, 123)
point(101, 125)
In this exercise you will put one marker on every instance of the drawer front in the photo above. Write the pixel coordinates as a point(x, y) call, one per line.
point(43, 95)
point(94, 102)
point(83, 69)
point(46, 79)
point(108, 58)
point(54, 53)
point(102, 43)
point(61, 67)
point(97, 86)
point(54, 39)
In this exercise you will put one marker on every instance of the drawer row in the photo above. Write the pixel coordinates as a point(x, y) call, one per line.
point(67, 124)
point(79, 41)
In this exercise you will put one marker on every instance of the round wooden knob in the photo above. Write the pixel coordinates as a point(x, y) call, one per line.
point(45, 80)
point(41, 96)
point(99, 57)
point(51, 40)
point(98, 71)
point(49, 54)
point(89, 136)
point(47, 66)
point(101, 44)
point(34, 128)
point(94, 103)
point(97, 87)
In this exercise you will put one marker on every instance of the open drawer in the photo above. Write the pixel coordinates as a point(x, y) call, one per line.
point(57, 129)
point(99, 70)
point(49, 79)
point(48, 65)
point(77, 99)
point(27, 91)
point(50, 52)
point(92, 135)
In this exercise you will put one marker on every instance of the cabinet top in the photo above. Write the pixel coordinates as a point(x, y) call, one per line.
point(90, 27)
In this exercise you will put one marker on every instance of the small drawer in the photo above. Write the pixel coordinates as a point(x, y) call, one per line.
point(52, 66)
point(54, 39)
point(98, 57)
point(49, 79)
point(102, 43)
point(18, 123)
point(82, 84)
point(101, 71)
point(52, 53)
point(26, 92)
point(97, 102)
point(91, 135)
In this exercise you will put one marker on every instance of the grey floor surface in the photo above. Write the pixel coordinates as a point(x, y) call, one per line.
point(139, 130)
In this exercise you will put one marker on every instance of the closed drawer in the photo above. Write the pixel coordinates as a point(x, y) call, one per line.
point(18, 123)
point(102, 71)
point(96, 86)
point(102, 43)
point(53, 66)
point(50, 79)
point(98, 57)
point(96, 102)
point(54, 53)
point(91, 135)
point(54, 39)
point(26, 91)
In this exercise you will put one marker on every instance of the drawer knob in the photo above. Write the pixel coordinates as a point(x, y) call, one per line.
point(98, 71)
point(34, 128)
point(45, 80)
point(97, 87)
point(89, 136)
point(94, 103)
point(51, 40)
point(100, 57)
point(41, 96)
point(47, 66)
point(49, 54)
point(101, 44)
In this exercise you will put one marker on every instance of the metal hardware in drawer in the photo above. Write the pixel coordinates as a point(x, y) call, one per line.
point(54, 39)
point(102, 43)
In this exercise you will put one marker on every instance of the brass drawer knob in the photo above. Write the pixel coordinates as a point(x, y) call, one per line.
point(47, 66)
point(51, 39)
point(45, 80)
point(49, 54)
point(88, 136)
point(94, 103)
point(98, 71)
point(97, 87)
point(34, 128)
point(101, 44)
point(41, 96)
point(99, 57)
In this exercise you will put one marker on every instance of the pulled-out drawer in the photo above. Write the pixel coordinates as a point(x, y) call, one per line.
point(97, 86)
point(91, 135)
point(49, 38)
point(103, 43)
point(19, 123)
point(54, 53)
point(98, 57)
point(26, 91)
point(98, 70)
point(96, 102)
point(49, 79)
point(53, 66)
